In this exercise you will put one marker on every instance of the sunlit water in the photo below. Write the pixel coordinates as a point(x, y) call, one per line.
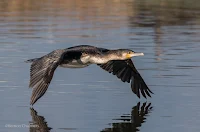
point(90, 99)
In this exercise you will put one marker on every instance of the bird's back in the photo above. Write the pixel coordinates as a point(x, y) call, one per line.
point(86, 49)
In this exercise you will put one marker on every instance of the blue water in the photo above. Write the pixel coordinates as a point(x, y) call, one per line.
point(90, 99)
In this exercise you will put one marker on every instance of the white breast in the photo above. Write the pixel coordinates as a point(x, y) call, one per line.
point(98, 60)
point(70, 65)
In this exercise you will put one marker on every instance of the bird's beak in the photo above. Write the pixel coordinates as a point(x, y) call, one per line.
point(134, 54)
point(137, 54)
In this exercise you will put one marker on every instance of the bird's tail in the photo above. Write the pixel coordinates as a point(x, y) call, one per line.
point(31, 60)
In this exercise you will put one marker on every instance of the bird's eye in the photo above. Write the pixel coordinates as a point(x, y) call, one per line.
point(129, 52)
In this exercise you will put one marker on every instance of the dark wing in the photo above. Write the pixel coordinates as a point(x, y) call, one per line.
point(41, 73)
point(126, 71)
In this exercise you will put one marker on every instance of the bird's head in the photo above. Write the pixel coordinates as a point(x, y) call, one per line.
point(124, 54)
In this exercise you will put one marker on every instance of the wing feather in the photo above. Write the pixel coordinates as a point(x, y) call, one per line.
point(126, 71)
point(41, 73)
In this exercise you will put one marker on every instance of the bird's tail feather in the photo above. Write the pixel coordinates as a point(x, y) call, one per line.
point(31, 60)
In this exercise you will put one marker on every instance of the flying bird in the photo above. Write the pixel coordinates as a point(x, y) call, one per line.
point(118, 62)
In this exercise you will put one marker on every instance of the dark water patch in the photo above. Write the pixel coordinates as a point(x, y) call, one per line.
point(38, 122)
point(131, 122)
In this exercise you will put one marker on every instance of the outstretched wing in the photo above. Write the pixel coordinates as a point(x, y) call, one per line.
point(41, 74)
point(126, 71)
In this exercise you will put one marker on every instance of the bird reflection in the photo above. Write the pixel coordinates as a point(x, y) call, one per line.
point(127, 122)
point(38, 123)
point(130, 123)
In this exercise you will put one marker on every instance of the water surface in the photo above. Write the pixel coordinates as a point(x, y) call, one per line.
point(90, 99)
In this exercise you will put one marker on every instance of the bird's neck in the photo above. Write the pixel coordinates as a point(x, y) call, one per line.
point(103, 58)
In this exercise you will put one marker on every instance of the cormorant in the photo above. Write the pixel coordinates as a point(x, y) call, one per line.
point(118, 62)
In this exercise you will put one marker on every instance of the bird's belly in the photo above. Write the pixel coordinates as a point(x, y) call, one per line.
point(75, 64)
